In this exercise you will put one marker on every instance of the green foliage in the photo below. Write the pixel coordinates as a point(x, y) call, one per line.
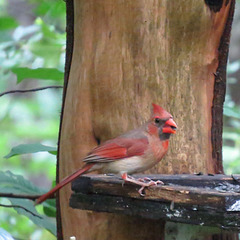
point(49, 208)
point(30, 212)
point(38, 45)
point(33, 50)
point(31, 148)
point(11, 183)
point(7, 23)
point(39, 73)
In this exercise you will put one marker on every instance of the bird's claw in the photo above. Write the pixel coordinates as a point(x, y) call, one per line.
point(159, 182)
point(143, 182)
point(144, 179)
point(149, 184)
point(140, 191)
point(149, 180)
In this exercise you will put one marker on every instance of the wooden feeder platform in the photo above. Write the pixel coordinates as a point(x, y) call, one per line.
point(208, 200)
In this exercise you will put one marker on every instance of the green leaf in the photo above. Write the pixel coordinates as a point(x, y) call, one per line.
point(17, 184)
point(7, 23)
point(49, 31)
point(33, 215)
point(49, 50)
point(30, 148)
point(49, 208)
point(11, 183)
point(53, 9)
point(39, 73)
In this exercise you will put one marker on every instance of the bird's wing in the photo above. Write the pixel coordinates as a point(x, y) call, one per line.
point(116, 149)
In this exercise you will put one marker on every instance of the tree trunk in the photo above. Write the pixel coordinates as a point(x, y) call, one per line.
point(126, 55)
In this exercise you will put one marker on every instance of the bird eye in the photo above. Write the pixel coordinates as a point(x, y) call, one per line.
point(157, 120)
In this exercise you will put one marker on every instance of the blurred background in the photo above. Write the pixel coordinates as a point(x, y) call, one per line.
point(32, 36)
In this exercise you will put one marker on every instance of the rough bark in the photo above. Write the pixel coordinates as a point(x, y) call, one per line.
point(126, 55)
point(68, 61)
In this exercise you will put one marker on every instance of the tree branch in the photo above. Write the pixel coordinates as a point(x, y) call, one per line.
point(23, 196)
point(18, 206)
point(28, 90)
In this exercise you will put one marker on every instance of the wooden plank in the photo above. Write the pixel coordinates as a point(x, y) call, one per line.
point(195, 199)
point(217, 191)
point(195, 180)
point(157, 210)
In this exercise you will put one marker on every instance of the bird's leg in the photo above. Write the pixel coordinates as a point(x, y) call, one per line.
point(140, 182)
point(128, 177)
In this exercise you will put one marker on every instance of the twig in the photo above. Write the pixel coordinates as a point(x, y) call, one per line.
point(28, 90)
point(18, 206)
point(13, 195)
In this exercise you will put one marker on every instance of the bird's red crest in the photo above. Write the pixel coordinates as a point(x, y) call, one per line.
point(160, 112)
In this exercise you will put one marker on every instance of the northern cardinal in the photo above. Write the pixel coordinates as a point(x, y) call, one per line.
point(132, 152)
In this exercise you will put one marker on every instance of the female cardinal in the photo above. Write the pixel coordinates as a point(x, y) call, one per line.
point(132, 152)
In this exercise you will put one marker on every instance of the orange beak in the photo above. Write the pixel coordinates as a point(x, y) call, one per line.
point(170, 126)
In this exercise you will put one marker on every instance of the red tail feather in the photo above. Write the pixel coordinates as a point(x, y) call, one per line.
point(63, 183)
